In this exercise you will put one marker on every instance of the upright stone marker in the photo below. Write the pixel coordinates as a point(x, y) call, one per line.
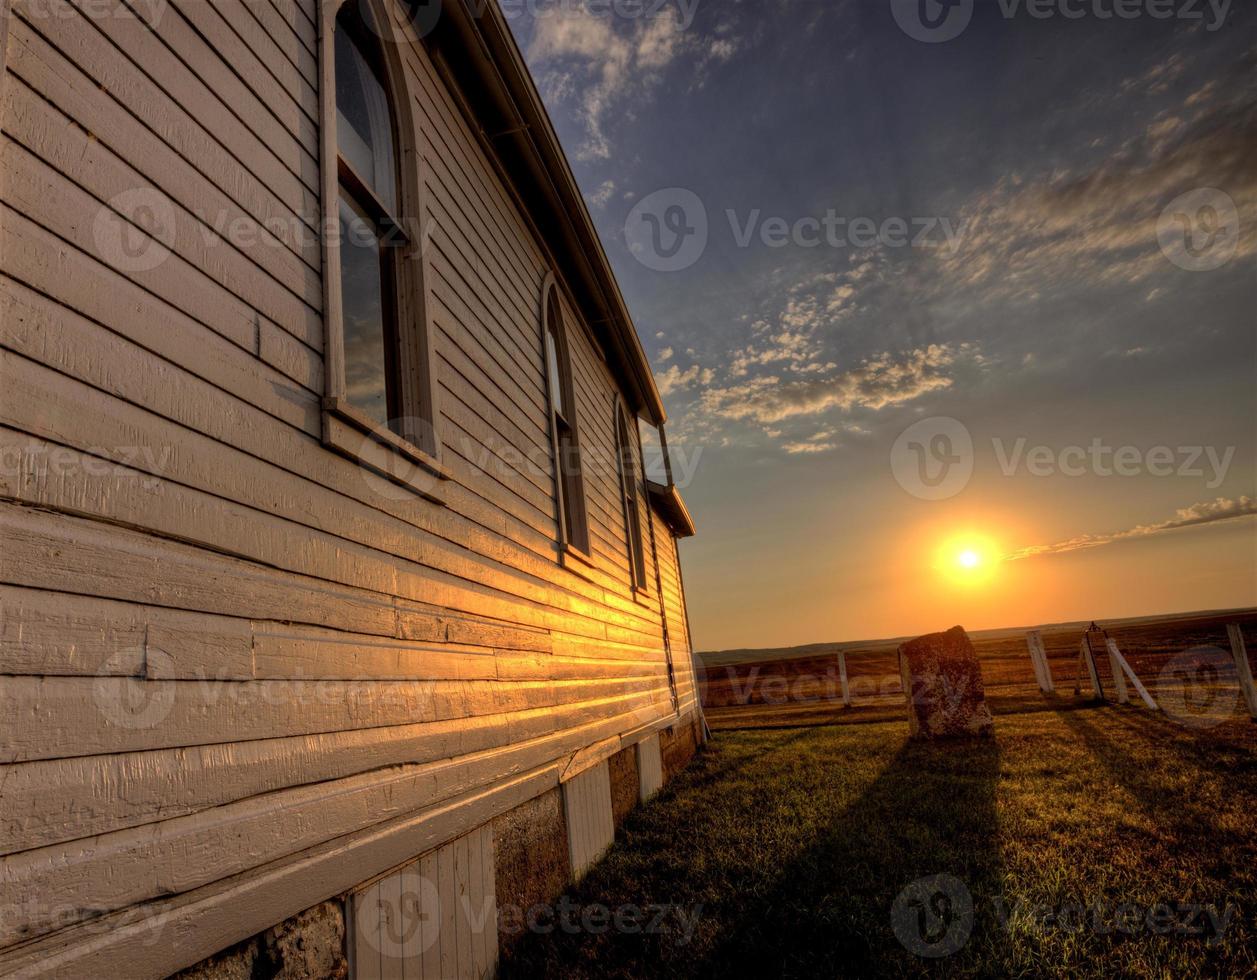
point(942, 681)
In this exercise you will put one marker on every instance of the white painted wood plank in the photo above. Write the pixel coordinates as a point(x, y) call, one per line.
point(448, 941)
point(587, 805)
point(428, 963)
point(47, 802)
point(395, 923)
point(649, 766)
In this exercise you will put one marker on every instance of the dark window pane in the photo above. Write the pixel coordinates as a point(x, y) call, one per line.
point(362, 303)
point(364, 128)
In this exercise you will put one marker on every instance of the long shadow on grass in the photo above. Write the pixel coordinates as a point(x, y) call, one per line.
point(1126, 738)
point(789, 854)
point(828, 912)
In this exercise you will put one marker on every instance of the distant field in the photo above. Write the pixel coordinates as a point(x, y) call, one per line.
point(1184, 661)
point(1080, 841)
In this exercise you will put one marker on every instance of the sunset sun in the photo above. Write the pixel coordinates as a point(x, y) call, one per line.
point(967, 559)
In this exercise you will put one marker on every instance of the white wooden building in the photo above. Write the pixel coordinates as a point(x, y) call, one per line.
point(330, 577)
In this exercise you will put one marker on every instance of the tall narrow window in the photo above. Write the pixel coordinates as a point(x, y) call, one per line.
point(371, 233)
point(627, 463)
point(571, 491)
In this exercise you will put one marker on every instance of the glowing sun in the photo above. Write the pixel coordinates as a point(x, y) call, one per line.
point(968, 559)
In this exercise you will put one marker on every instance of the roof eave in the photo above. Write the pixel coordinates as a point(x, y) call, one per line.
point(667, 501)
point(524, 136)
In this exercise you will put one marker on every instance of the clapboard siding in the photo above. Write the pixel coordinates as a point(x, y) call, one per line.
point(256, 667)
point(71, 41)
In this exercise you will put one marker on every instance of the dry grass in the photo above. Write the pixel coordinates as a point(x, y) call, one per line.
point(790, 846)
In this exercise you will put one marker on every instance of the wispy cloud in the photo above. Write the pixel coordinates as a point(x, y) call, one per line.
point(884, 380)
point(1208, 512)
point(821, 442)
point(676, 378)
point(1096, 226)
point(600, 197)
point(596, 61)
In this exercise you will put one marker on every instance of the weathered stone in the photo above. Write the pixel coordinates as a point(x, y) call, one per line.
point(532, 865)
point(626, 786)
point(677, 746)
point(309, 946)
point(942, 681)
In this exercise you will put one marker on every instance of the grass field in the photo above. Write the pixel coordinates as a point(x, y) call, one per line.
point(783, 853)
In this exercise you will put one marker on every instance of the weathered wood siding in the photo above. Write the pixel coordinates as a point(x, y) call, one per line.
point(244, 676)
point(669, 559)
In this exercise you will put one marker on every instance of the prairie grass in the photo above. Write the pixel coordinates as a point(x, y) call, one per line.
point(786, 849)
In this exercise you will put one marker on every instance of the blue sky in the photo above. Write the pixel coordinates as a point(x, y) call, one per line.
point(996, 254)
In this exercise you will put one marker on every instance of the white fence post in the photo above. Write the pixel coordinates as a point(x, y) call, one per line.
point(1038, 658)
point(1119, 681)
point(1119, 661)
point(842, 675)
point(1242, 668)
point(1088, 657)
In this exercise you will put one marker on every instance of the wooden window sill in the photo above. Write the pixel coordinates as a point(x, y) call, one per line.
point(577, 561)
point(352, 433)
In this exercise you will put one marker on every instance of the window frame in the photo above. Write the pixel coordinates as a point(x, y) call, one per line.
point(630, 498)
point(410, 457)
point(572, 516)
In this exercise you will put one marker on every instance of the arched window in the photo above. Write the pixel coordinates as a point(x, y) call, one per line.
point(370, 230)
point(626, 462)
point(378, 357)
point(570, 485)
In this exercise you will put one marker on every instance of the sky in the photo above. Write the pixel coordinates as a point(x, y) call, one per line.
point(953, 315)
